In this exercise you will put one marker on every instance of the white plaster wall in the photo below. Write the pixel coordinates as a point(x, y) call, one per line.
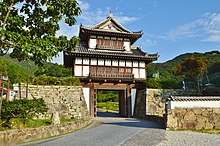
point(108, 62)
point(128, 63)
point(78, 60)
point(114, 62)
point(127, 46)
point(86, 93)
point(142, 64)
point(100, 61)
point(93, 61)
point(92, 43)
point(86, 61)
point(78, 70)
point(85, 71)
point(193, 104)
point(133, 99)
point(135, 63)
point(142, 73)
point(135, 72)
point(121, 62)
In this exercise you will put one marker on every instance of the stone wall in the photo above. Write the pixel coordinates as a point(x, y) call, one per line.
point(67, 100)
point(156, 99)
point(12, 137)
point(194, 119)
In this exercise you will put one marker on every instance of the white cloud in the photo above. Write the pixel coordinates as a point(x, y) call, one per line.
point(125, 19)
point(212, 27)
point(207, 28)
point(83, 5)
point(188, 30)
point(149, 42)
point(91, 17)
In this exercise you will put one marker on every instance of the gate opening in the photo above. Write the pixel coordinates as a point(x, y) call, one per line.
point(107, 101)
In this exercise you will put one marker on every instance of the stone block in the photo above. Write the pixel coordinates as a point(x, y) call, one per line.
point(216, 110)
point(197, 111)
point(190, 124)
point(179, 113)
point(217, 125)
point(172, 122)
point(206, 113)
point(209, 125)
point(190, 116)
point(201, 118)
point(200, 125)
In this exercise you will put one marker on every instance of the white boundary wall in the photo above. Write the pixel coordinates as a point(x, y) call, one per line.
point(193, 104)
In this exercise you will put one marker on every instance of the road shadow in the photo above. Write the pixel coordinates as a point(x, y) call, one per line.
point(107, 114)
point(127, 122)
point(138, 124)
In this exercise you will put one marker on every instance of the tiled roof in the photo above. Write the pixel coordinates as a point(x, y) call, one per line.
point(110, 30)
point(120, 29)
point(109, 19)
point(194, 98)
point(133, 53)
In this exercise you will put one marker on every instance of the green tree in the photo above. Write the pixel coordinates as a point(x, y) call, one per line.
point(28, 28)
point(192, 68)
point(153, 83)
point(55, 70)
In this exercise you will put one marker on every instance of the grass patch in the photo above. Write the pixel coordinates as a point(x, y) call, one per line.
point(64, 120)
point(37, 122)
point(108, 106)
point(210, 131)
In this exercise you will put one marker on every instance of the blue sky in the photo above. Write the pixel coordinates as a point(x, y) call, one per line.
point(171, 27)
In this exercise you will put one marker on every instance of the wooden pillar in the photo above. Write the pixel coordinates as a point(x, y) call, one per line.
point(122, 103)
point(95, 102)
point(92, 94)
point(128, 101)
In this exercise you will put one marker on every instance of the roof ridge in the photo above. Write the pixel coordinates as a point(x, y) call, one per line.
point(109, 18)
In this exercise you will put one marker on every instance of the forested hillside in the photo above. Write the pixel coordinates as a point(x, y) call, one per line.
point(167, 70)
point(17, 71)
point(21, 71)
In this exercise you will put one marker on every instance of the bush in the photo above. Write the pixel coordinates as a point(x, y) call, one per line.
point(153, 83)
point(45, 80)
point(171, 84)
point(163, 83)
point(70, 81)
point(49, 80)
point(23, 108)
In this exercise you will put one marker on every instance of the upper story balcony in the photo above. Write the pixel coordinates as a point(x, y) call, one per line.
point(112, 76)
point(107, 47)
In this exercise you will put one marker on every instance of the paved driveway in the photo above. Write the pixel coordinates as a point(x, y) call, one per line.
point(110, 130)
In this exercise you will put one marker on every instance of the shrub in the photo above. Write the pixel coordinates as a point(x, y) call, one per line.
point(49, 80)
point(23, 108)
point(153, 83)
point(70, 81)
point(45, 80)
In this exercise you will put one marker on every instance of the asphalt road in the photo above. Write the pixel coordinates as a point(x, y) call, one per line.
point(110, 130)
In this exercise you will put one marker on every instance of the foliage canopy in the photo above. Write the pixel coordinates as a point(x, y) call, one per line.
point(192, 67)
point(28, 28)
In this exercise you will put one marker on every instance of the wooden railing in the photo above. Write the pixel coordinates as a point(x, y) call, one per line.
point(110, 47)
point(119, 75)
